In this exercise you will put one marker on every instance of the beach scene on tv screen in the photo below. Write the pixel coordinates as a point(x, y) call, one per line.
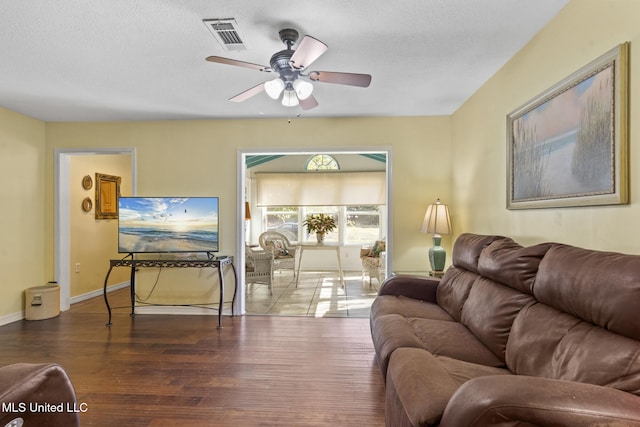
point(168, 224)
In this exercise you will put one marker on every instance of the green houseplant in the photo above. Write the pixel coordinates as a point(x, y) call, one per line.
point(319, 224)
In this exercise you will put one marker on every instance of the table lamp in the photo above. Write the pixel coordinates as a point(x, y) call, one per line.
point(247, 211)
point(436, 221)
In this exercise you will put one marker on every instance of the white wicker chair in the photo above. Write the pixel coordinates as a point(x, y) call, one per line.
point(373, 261)
point(259, 268)
point(284, 252)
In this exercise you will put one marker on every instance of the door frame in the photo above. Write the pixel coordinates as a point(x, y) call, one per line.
point(240, 199)
point(62, 211)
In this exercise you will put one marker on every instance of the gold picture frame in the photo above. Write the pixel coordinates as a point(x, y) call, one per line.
point(568, 146)
point(87, 182)
point(87, 204)
point(107, 193)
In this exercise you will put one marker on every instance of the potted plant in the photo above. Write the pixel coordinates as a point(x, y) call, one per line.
point(319, 224)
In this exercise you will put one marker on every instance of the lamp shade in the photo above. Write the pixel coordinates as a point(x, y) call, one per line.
point(274, 87)
point(303, 89)
point(289, 99)
point(247, 211)
point(436, 219)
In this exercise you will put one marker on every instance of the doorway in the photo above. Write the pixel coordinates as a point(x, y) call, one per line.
point(62, 217)
point(245, 156)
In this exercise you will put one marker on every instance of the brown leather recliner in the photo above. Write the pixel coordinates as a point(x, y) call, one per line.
point(37, 395)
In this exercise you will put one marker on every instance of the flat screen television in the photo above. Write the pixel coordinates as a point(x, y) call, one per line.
point(167, 224)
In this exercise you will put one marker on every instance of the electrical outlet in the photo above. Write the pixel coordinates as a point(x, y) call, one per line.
point(77, 267)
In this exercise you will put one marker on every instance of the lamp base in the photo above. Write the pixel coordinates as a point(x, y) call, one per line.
point(437, 254)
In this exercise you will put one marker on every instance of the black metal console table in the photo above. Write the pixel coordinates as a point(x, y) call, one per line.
point(213, 262)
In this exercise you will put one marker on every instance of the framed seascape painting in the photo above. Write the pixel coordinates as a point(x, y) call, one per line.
point(568, 146)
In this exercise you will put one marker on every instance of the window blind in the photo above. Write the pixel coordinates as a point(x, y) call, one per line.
point(321, 189)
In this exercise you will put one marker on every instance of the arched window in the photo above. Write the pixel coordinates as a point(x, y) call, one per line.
point(322, 162)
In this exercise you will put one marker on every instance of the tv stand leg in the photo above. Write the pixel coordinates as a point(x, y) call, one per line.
point(132, 289)
point(220, 307)
point(104, 292)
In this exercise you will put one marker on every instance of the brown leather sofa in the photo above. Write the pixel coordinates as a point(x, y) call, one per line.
point(546, 335)
point(37, 395)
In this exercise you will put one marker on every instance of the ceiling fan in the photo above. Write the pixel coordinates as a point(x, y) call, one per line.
point(293, 81)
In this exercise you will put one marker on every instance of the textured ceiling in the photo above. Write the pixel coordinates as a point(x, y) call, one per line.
point(97, 60)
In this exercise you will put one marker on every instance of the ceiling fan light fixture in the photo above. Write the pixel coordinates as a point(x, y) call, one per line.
point(303, 88)
point(289, 99)
point(274, 88)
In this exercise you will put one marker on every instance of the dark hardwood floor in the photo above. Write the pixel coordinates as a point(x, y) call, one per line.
point(174, 370)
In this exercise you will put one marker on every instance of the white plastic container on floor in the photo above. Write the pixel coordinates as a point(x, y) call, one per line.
point(42, 302)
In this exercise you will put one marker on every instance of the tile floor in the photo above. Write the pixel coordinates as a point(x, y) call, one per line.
point(318, 294)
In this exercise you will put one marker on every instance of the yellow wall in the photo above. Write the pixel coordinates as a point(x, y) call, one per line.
point(198, 158)
point(583, 30)
point(22, 210)
point(93, 242)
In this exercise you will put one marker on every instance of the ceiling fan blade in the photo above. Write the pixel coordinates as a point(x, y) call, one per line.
point(351, 79)
point(308, 103)
point(243, 96)
point(309, 49)
point(229, 61)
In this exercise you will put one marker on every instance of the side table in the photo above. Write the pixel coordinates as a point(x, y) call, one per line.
point(432, 274)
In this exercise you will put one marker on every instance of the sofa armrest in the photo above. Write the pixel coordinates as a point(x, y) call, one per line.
point(411, 286)
point(39, 394)
point(510, 400)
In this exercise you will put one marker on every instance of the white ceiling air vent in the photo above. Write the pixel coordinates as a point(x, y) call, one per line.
point(226, 33)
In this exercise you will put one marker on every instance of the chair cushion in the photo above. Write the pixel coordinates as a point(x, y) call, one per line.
point(378, 247)
point(370, 261)
point(279, 248)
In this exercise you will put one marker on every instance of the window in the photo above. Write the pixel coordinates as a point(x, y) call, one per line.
point(363, 224)
point(283, 219)
point(334, 211)
point(322, 162)
point(355, 225)
point(355, 199)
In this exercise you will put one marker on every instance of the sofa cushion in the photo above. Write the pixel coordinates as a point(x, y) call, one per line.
point(506, 262)
point(490, 311)
point(419, 385)
point(407, 307)
point(457, 281)
point(453, 339)
point(548, 343)
point(467, 249)
point(454, 289)
point(439, 337)
point(389, 333)
point(600, 287)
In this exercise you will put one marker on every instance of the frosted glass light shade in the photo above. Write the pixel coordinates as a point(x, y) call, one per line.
point(289, 99)
point(303, 88)
point(274, 88)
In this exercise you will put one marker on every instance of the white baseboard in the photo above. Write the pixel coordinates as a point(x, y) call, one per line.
point(14, 317)
point(179, 310)
point(98, 292)
point(10, 318)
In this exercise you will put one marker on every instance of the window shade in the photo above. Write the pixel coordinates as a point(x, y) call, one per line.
point(321, 189)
